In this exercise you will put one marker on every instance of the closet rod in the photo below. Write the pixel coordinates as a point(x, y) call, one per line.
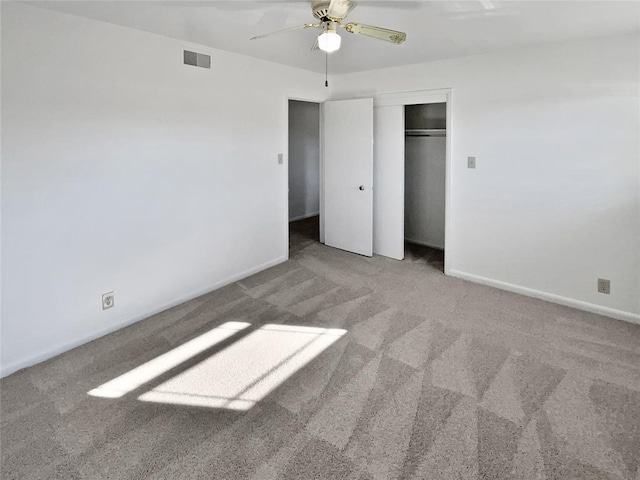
point(425, 132)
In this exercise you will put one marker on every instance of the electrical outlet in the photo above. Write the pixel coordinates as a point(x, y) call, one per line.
point(471, 162)
point(108, 300)
point(604, 286)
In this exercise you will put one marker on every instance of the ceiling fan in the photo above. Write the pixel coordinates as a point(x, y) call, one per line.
point(330, 15)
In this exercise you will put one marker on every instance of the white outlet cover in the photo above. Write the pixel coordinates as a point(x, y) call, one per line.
point(604, 286)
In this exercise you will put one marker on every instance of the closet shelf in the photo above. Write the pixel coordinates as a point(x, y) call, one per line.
point(425, 132)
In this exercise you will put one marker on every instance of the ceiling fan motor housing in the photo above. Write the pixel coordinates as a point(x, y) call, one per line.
point(320, 9)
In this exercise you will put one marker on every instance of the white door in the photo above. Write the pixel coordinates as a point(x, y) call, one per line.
point(348, 175)
point(388, 181)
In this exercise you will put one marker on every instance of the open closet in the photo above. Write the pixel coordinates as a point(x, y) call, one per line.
point(379, 197)
point(425, 171)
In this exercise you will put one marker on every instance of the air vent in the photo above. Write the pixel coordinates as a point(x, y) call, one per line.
point(197, 59)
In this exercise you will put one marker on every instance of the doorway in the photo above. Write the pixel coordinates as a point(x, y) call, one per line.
point(425, 183)
point(304, 174)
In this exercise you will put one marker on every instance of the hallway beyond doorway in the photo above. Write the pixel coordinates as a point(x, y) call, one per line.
point(302, 233)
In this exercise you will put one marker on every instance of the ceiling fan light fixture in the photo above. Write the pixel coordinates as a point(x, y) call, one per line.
point(331, 13)
point(329, 40)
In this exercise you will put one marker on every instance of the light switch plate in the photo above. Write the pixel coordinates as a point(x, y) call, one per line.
point(471, 162)
point(280, 158)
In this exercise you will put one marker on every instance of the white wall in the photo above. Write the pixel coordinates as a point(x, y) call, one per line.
point(124, 170)
point(304, 159)
point(555, 200)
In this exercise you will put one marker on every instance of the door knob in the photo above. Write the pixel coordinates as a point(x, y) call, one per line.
point(361, 187)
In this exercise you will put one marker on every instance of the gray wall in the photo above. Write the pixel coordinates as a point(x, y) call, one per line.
point(304, 159)
point(433, 115)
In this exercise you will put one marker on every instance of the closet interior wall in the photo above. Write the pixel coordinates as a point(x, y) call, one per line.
point(425, 167)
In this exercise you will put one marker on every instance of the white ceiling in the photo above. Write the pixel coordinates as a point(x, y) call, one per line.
point(435, 29)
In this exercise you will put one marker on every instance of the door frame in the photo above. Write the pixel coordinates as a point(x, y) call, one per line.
point(318, 99)
point(444, 95)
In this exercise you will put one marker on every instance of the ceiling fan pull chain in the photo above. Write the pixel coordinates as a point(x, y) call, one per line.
point(326, 69)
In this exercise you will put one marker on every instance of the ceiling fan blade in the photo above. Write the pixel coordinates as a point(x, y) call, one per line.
point(380, 33)
point(339, 9)
point(316, 45)
point(299, 27)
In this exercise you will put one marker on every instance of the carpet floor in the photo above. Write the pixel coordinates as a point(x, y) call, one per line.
point(336, 366)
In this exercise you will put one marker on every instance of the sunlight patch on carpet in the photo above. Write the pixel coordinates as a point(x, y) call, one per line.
point(239, 376)
point(145, 373)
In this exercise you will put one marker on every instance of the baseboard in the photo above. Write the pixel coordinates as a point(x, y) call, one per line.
point(550, 297)
point(424, 244)
point(302, 217)
point(6, 370)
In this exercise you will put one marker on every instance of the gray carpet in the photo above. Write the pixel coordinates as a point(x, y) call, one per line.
point(435, 378)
